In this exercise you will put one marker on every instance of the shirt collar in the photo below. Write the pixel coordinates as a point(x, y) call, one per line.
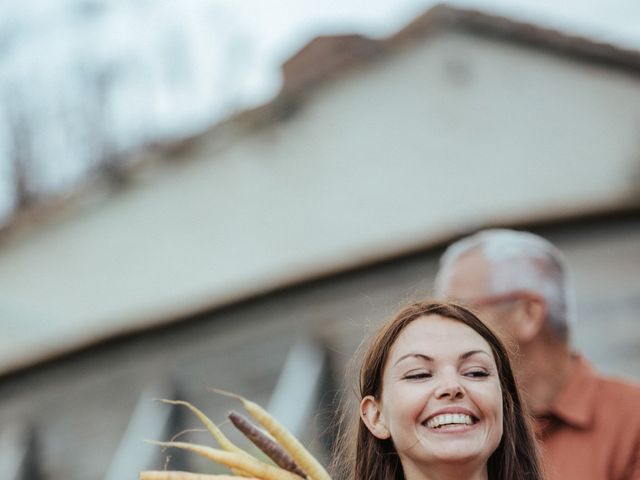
point(576, 401)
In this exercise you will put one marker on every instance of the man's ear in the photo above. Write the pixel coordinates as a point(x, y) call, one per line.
point(371, 415)
point(531, 319)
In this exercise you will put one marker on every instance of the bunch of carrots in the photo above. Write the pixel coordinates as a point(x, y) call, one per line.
point(291, 460)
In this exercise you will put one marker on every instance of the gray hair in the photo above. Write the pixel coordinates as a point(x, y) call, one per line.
point(520, 261)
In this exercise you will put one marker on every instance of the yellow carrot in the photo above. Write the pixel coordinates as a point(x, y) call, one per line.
point(308, 463)
point(246, 463)
point(220, 437)
point(174, 475)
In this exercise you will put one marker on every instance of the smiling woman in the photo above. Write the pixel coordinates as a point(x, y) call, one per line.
point(437, 400)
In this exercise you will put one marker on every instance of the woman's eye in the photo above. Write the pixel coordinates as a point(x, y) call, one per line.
point(477, 373)
point(417, 376)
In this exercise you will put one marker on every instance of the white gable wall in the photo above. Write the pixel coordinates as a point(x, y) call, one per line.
point(458, 132)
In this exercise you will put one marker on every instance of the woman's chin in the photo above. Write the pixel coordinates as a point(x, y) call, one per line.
point(454, 452)
point(461, 457)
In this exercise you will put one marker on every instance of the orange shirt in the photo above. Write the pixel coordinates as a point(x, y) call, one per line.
point(592, 431)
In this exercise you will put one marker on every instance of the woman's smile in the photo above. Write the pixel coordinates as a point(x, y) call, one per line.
point(451, 420)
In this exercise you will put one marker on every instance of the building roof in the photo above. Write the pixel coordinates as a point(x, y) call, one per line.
point(324, 57)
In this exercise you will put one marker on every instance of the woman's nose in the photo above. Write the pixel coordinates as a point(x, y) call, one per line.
point(449, 387)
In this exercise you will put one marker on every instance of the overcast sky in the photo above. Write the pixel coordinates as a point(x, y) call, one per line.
point(245, 40)
point(181, 65)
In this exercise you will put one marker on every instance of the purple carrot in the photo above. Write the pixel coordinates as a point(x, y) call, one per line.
point(272, 449)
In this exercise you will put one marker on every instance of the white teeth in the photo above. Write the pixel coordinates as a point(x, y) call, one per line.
point(450, 419)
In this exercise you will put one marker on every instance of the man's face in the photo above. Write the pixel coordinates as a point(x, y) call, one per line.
point(468, 281)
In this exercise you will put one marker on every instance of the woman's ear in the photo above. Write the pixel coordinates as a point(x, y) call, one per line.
point(371, 415)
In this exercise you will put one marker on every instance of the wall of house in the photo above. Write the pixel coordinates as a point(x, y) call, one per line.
point(451, 134)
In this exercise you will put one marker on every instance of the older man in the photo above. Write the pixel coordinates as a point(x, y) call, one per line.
point(589, 425)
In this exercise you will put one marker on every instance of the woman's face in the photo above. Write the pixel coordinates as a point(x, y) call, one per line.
point(441, 399)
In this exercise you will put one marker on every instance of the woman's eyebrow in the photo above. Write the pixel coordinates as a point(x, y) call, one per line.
point(470, 353)
point(419, 355)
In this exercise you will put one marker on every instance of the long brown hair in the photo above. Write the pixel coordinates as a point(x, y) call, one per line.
point(361, 456)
